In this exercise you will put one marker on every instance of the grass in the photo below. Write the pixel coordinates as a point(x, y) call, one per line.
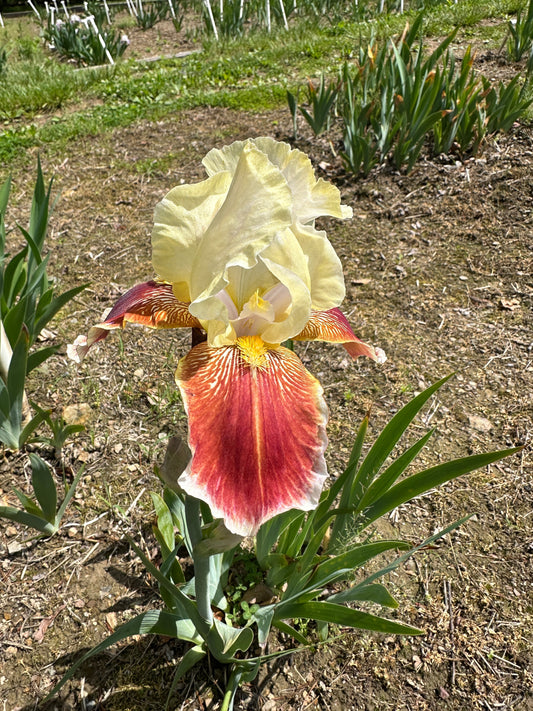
point(250, 73)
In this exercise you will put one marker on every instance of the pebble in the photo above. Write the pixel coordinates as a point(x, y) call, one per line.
point(77, 414)
point(14, 547)
point(481, 424)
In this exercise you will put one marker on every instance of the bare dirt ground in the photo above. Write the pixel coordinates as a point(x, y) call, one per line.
point(438, 267)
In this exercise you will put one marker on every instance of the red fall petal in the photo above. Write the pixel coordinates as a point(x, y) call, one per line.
point(332, 326)
point(257, 431)
point(150, 304)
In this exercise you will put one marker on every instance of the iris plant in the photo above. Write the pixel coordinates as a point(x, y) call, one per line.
point(239, 257)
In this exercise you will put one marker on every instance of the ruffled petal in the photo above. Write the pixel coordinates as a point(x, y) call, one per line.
point(180, 222)
point(311, 197)
point(332, 326)
point(150, 304)
point(257, 423)
point(257, 207)
point(325, 268)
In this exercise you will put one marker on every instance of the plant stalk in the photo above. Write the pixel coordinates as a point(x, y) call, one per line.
point(201, 562)
point(231, 690)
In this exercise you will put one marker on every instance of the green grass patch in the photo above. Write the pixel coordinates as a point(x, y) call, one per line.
point(248, 73)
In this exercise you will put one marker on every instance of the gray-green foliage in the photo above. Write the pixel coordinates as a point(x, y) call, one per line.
point(521, 34)
point(84, 42)
point(41, 514)
point(394, 99)
point(28, 301)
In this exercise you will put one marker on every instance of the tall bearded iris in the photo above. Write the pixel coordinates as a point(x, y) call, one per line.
point(238, 256)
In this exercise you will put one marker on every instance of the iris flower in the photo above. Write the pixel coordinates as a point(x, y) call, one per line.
point(238, 256)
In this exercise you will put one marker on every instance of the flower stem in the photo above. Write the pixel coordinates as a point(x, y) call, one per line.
point(231, 690)
point(201, 562)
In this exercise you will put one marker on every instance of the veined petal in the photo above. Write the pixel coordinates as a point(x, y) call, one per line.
point(332, 326)
point(150, 304)
point(256, 430)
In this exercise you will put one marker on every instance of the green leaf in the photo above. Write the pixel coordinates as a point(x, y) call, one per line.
point(185, 606)
point(387, 440)
point(224, 641)
point(150, 622)
point(37, 357)
point(401, 559)
point(216, 539)
point(344, 616)
point(263, 618)
point(56, 304)
point(382, 483)
point(290, 631)
point(69, 494)
point(270, 532)
point(4, 196)
point(44, 486)
point(27, 519)
point(430, 478)
point(176, 506)
point(29, 504)
point(343, 484)
point(16, 378)
point(305, 564)
point(165, 523)
point(340, 566)
point(32, 425)
point(374, 592)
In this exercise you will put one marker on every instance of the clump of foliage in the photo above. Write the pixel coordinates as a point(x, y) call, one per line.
point(150, 13)
point(83, 40)
point(299, 557)
point(27, 304)
point(393, 100)
point(41, 514)
point(521, 34)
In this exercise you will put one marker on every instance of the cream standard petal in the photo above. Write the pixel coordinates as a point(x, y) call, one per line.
point(223, 159)
point(256, 209)
point(325, 268)
point(180, 221)
point(288, 263)
point(311, 197)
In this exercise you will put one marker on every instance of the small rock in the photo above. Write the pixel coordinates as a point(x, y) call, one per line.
point(11, 531)
point(14, 547)
point(77, 414)
point(481, 424)
point(443, 693)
